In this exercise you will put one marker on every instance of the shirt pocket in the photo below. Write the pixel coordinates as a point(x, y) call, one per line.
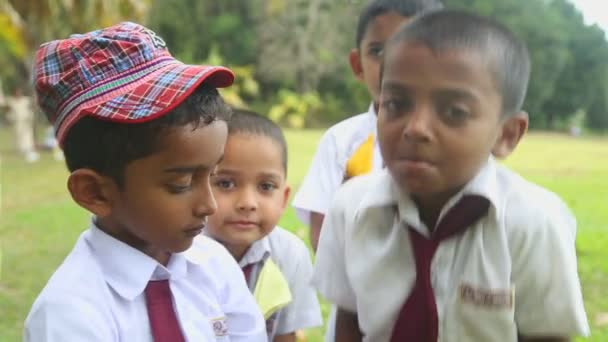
point(481, 314)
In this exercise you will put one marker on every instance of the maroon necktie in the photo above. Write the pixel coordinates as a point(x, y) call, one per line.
point(163, 322)
point(418, 321)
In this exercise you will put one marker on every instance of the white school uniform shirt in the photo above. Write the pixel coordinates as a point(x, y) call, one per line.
point(328, 167)
point(97, 294)
point(292, 257)
point(513, 271)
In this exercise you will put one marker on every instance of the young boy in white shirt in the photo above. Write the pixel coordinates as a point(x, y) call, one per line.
point(142, 133)
point(350, 147)
point(446, 244)
point(250, 186)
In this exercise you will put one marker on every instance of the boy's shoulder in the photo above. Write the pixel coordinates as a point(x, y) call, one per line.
point(350, 123)
point(526, 196)
point(357, 126)
point(529, 209)
point(77, 283)
point(286, 246)
point(371, 189)
point(205, 251)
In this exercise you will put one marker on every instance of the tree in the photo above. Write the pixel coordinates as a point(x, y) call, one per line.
point(302, 41)
point(597, 114)
point(192, 28)
point(28, 23)
point(583, 78)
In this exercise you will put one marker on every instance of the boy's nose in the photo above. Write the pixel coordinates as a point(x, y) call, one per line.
point(205, 203)
point(418, 125)
point(247, 200)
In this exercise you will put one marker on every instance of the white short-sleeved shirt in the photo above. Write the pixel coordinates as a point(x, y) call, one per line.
point(328, 167)
point(522, 250)
point(292, 257)
point(97, 294)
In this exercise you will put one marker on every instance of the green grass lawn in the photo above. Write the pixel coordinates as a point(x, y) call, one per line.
point(39, 222)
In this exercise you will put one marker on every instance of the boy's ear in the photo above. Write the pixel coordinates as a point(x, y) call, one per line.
point(355, 64)
point(286, 193)
point(92, 191)
point(513, 129)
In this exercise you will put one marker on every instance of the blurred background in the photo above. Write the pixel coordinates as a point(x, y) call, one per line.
point(290, 57)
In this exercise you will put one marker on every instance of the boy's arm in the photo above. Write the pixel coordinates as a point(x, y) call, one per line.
point(322, 179)
point(303, 311)
point(61, 319)
point(291, 337)
point(347, 327)
point(316, 221)
point(548, 297)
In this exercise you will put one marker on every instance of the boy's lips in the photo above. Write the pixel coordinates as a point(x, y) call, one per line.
point(242, 224)
point(414, 164)
point(194, 231)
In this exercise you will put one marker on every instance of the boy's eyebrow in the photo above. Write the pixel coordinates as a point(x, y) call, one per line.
point(192, 168)
point(271, 174)
point(459, 93)
point(267, 174)
point(394, 86)
point(186, 169)
point(452, 92)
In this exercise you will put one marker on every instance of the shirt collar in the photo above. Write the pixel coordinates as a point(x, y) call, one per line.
point(373, 117)
point(387, 193)
point(257, 252)
point(128, 270)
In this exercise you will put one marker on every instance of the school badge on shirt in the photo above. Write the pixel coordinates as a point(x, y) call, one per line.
point(489, 298)
point(220, 328)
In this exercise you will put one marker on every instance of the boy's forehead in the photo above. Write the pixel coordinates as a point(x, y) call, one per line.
point(253, 148)
point(466, 67)
point(457, 58)
point(381, 27)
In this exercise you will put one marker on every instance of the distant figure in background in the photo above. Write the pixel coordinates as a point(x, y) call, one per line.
point(51, 144)
point(21, 115)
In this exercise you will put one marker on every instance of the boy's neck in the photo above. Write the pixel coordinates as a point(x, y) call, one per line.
point(429, 208)
point(161, 256)
point(237, 252)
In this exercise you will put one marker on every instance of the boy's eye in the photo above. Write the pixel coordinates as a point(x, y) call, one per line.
point(394, 106)
point(178, 188)
point(267, 186)
point(376, 51)
point(224, 184)
point(455, 114)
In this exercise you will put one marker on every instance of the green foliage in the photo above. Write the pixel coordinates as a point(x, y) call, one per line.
point(244, 87)
point(11, 38)
point(192, 27)
point(293, 108)
point(302, 46)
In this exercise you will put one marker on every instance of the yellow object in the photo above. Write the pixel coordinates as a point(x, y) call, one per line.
point(271, 290)
point(362, 160)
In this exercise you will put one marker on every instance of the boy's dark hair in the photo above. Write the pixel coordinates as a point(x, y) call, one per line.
point(108, 147)
point(405, 8)
point(249, 122)
point(506, 55)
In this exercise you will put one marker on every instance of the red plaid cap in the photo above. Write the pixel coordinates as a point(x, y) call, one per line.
point(123, 73)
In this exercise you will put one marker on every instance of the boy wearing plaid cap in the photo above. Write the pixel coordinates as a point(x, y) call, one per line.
point(142, 134)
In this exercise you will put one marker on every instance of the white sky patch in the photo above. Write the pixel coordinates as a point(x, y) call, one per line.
point(594, 11)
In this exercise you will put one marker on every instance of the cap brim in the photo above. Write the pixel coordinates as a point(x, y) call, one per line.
point(155, 95)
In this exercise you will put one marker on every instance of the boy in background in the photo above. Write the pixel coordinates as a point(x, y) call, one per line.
point(250, 185)
point(350, 147)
